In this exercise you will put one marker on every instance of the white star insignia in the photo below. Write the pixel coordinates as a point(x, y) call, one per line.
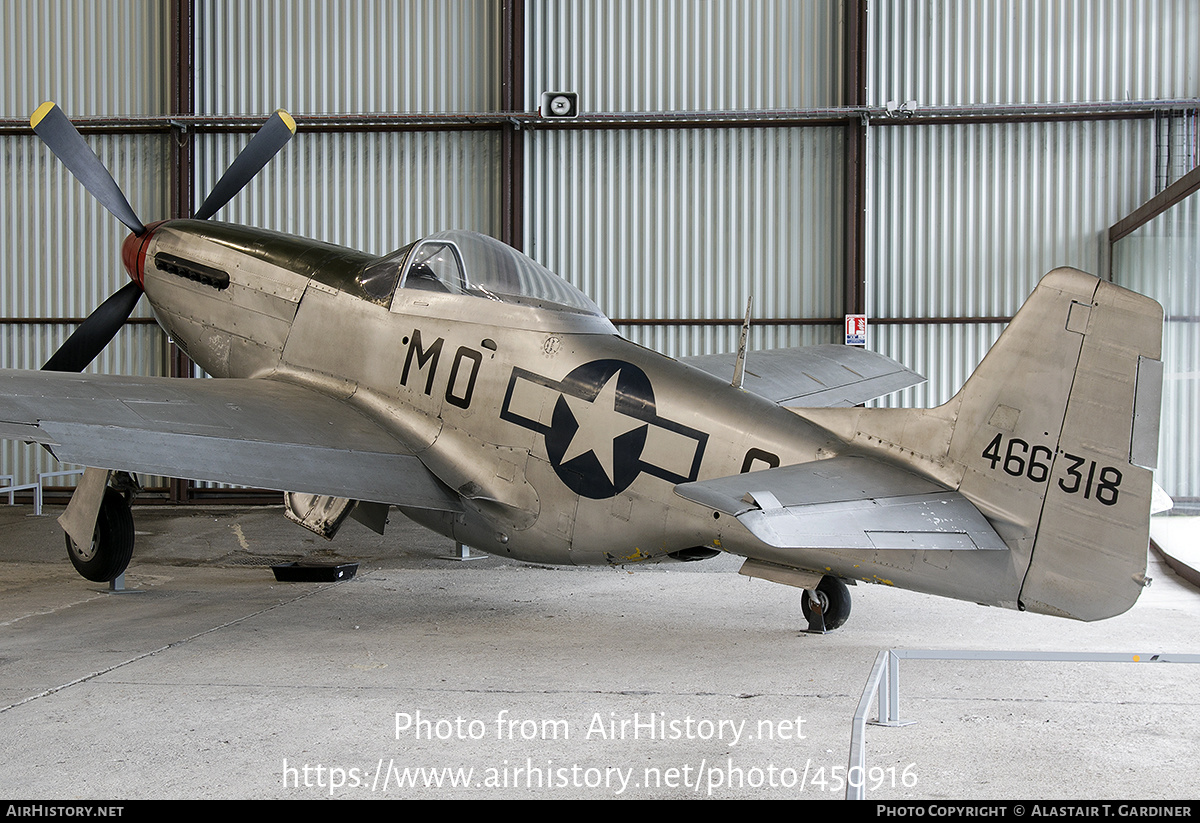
point(599, 425)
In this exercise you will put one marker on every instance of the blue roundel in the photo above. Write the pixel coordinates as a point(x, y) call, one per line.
point(599, 426)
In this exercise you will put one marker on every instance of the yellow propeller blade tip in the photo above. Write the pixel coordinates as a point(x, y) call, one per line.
point(41, 112)
point(287, 120)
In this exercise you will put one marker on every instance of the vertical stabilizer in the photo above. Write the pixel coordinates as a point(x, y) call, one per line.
point(1052, 438)
point(1089, 556)
point(1058, 427)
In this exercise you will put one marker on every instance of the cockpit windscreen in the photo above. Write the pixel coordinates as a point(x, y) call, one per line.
point(462, 262)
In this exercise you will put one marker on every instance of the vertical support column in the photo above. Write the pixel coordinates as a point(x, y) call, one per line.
point(182, 103)
point(891, 715)
point(854, 94)
point(512, 139)
point(181, 160)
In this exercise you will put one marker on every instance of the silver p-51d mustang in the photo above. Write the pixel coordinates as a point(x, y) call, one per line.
point(491, 401)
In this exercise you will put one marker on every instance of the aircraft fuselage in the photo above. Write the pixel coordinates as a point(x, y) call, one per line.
point(564, 439)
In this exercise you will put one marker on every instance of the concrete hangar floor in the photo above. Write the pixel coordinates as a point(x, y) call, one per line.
point(423, 677)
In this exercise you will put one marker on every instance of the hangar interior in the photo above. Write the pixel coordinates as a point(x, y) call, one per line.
point(922, 162)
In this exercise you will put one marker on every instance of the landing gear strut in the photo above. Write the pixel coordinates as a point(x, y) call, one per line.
point(111, 548)
point(827, 607)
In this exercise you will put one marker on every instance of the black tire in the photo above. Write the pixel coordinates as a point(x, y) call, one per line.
point(837, 602)
point(112, 542)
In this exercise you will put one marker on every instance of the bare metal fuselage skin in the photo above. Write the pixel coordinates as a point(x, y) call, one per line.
point(473, 386)
point(513, 407)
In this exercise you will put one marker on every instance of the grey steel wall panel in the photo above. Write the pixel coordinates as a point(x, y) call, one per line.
point(660, 224)
point(944, 353)
point(354, 56)
point(60, 252)
point(1179, 436)
point(1162, 259)
point(680, 55)
point(92, 58)
point(1032, 51)
point(374, 192)
point(965, 219)
point(60, 258)
point(138, 349)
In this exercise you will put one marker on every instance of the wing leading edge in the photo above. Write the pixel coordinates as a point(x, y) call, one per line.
point(254, 432)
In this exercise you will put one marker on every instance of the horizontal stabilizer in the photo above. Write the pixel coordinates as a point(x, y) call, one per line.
point(846, 503)
point(814, 376)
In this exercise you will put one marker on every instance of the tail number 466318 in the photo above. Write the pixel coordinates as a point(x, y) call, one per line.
point(1083, 476)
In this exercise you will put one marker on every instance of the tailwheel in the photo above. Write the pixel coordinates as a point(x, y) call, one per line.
point(827, 607)
point(111, 549)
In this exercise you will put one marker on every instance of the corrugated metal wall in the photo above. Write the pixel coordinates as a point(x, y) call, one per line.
point(352, 56)
point(375, 192)
point(666, 227)
point(370, 190)
point(669, 227)
point(680, 55)
point(988, 52)
point(1162, 259)
point(965, 219)
point(60, 250)
point(94, 58)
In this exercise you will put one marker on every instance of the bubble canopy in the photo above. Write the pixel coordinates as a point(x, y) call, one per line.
point(468, 263)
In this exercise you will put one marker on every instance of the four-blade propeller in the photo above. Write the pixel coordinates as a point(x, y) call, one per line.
point(61, 136)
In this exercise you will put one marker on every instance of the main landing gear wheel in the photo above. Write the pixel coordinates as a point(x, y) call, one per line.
point(111, 548)
point(832, 605)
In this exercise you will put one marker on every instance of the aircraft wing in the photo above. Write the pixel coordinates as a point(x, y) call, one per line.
point(814, 376)
point(846, 503)
point(255, 432)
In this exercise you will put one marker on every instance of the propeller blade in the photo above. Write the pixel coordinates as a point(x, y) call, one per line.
point(272, 137)
point(94, 333)
point(68, 145)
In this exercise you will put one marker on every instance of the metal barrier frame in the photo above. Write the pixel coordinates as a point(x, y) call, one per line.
point(884, 685)
point(11, 490)
point(38, 494)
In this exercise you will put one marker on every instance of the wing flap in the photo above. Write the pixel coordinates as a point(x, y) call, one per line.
point(254, 432)
point(847, 503)
point(814, 376)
